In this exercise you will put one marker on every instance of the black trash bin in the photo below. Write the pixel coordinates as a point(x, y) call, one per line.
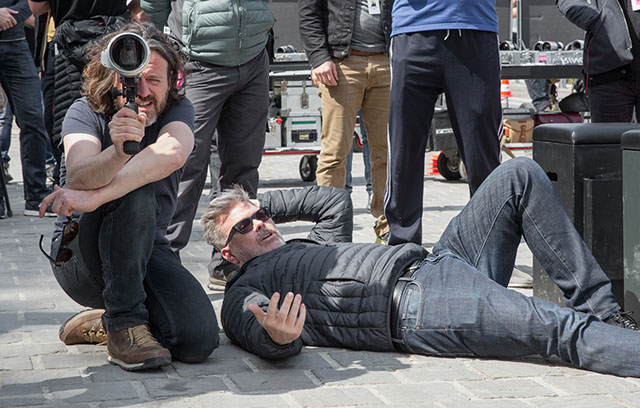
point(584, 163)
point(631, 219)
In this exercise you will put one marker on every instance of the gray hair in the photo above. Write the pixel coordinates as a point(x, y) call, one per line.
point(218, 211)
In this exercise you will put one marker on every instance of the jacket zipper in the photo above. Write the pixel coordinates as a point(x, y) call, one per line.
point(240, 14)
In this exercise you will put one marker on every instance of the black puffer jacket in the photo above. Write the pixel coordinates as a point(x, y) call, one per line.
point(326, 27)
point(346, 289)
point(73, 40)
point(607, 39)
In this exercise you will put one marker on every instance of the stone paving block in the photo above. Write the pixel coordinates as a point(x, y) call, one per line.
point(110, 372)
point(335, 397)
point(21, 395)
point(630, 399)
point(75, 360)
point(420, 393)
point(303, 361)
point(239, 400)
point(272, 381)
point(492, 403)
point(212, 366)
point(368, 359)
point(19, 349)
point(187, 387)
point(595, 384)
point(92, 392)
point(41, 377)
point(445, 370)
point(509, 388)
point(353, 376)
point(582, 401)
point(15, 363)
point(511, 369)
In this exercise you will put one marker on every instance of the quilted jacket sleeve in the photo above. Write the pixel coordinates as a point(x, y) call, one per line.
point(580, 12)
point(158, 11)
point(329, 208)
point(242, 328)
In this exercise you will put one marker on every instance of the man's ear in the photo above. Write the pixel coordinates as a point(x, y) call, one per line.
point(227, 255)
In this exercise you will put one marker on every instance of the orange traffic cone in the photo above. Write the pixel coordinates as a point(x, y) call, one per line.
point(433, 167)
point(505, 92)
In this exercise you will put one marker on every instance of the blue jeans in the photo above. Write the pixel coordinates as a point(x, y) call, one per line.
point(19, 78)
point(116, 266)
point(457, 303)
point(366, 157)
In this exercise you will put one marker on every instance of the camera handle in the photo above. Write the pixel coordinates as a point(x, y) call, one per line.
point(130, 91)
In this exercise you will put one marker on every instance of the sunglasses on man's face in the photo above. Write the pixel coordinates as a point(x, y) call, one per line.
point(69, 233)
point(246, 224)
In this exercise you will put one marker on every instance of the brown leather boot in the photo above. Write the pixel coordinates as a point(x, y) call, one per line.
point(84, 328)
point(135, 348)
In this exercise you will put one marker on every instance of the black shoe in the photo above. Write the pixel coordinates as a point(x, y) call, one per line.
point(32, 209)
point(622, 319)
point(3, 210)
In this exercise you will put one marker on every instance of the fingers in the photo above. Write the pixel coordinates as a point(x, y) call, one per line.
point(272, 310)
point(12, 11)
point(45, 202)
point(258, 313)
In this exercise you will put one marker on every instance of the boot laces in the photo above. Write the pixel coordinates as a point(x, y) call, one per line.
point(95, 335)
point(625, 320)
point(141, 336)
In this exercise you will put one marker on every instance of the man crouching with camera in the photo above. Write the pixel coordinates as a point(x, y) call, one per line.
point(108, 250)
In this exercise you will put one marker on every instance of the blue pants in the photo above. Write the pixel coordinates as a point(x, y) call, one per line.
point(116, 266)
point(457, 303)
point(19, 78)
point(465, 65)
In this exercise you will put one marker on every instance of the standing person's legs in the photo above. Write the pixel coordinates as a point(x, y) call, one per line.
point(375, 111)
point(242, 126)
point(20, 81)
point(450, 309)
point(612, 101)
point(516, 200)
point(340, 105)
point(473, 99)
point(6, 123)
point(416, 81)
point(208, 88)
point(48, 89)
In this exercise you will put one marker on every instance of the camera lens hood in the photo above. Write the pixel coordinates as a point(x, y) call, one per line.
point(127, 53)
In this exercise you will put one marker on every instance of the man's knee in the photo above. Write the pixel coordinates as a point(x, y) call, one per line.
point(196, 341)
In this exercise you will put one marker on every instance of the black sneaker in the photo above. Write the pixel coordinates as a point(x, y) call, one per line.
point(32, 209)
point(622, 319)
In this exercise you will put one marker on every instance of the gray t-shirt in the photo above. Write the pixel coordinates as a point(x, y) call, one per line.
point(367, 30)
point(81, 119)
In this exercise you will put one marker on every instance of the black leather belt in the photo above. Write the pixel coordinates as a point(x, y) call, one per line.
point(396, 297)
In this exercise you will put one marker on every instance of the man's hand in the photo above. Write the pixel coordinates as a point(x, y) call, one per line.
point(64, 201)
point(285, 325)
point(126, 125)
point(325, 73)
point(6, 18)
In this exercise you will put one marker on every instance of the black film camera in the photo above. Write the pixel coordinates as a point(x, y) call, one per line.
point(127, 54)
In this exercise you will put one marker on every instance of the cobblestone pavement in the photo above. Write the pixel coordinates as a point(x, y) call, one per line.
point(36, 369)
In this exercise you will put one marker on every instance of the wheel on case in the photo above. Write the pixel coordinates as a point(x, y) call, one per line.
point(449, 167)
point(308, 165)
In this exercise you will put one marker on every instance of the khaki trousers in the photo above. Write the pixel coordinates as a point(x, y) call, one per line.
point(363, 82)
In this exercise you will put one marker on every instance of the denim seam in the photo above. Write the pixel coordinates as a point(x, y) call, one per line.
point(493, 224)
point(525, 212)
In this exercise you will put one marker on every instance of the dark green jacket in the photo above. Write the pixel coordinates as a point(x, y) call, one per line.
point(222, 32)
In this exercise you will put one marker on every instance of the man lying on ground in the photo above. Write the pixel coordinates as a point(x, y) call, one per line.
point(450, 302)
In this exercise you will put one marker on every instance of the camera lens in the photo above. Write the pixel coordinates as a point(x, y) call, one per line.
point(127, 53)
